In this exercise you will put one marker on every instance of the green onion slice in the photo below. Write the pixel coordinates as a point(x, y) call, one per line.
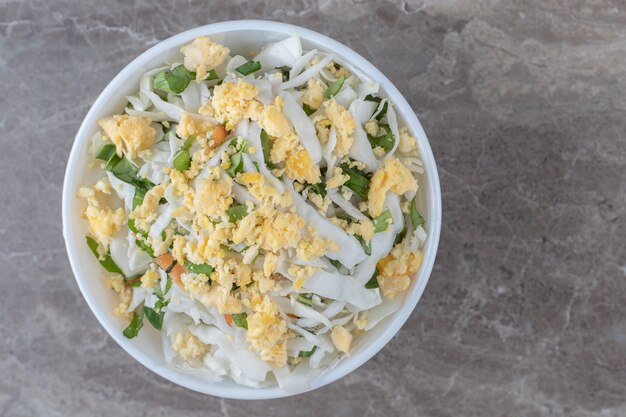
point(334, 87)
point(248, 68)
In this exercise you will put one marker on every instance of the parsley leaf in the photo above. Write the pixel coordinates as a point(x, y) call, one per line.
point(105, 260)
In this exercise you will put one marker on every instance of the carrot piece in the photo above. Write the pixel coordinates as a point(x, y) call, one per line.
point(176, 273)
point(164, 261)
point(218, 136)
point(229, 319)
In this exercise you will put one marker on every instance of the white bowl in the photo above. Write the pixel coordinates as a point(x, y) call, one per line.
point(242, 36)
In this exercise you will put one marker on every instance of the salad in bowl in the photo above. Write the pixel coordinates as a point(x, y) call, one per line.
point(261, 212)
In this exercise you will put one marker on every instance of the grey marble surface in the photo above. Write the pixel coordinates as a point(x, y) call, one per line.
point(524, 104)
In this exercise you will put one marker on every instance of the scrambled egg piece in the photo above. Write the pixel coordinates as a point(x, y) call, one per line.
point(394, 177)
point(396, 268)
point(300, 167)
point(371, 127)
point(314, 246)
point(344, 123)
point(300, 273)
point(281, 232)
point(267, 332)
point(104, 222)
point(338, 179)
point(255, 182)
point(179, 243)
point(189, 347)
point(408, 144)
point(322, 203)
point(198, 160)
point(283, 146)
point(192, 126)
point(342, 339)
point(363, 228)
point(379, 151)
point(360, 322)
point(313, 96)
point(146, 213)
point(103, 185)
point(322, 128)
point(213, 194)
point(116, 283)
point(232, 272)
point(179, 182)
point(202, 55)
point(233, 101)
point(132, 132)
point(214, 294)
point(337, 72)
point(272, 119)
point(269, 264)
point(150, 279)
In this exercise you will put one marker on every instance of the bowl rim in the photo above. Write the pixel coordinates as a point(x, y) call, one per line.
point(396, 320)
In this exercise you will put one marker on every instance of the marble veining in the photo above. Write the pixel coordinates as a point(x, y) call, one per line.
point(523, 102)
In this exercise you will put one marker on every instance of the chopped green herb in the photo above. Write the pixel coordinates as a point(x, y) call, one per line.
point(106, 152)
point(240, 320)
point(385, 140)
point(236, 159)
point(154, 317)
point(182, 158)
point(307, 354)
point(367, 246)
point(307, 109)
point(112, 162)
point(383, 112)
point(122, 168)
point(370, 97)
point(125, 170)
point(305, 299)
point(174, 81)
point(383, 221)
point(237, 212)
point(212, 75)
point(199, 268)
point(400, 236)
point(318, 188)
point(334, 87)
point(358, 182)
point(105, 259)
point(168, 285)
point(416, 218)
point(248, 68)
point(373, 282)
point(140, 236)
point(335, 263)
point(266, 146)
point(135, 325)
point(236, 165)
point(140, 193)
